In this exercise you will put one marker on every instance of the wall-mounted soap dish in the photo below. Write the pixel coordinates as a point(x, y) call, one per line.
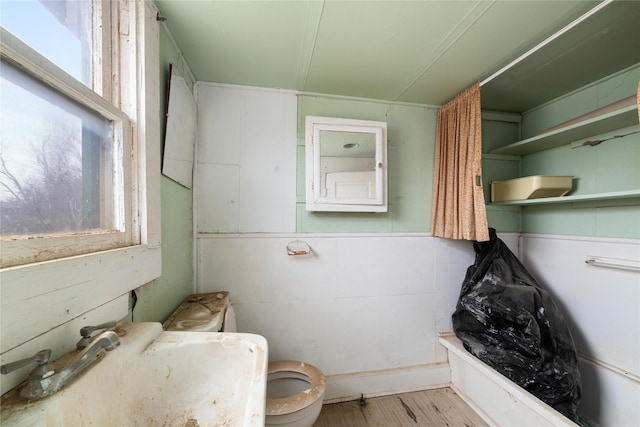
point(297, 248)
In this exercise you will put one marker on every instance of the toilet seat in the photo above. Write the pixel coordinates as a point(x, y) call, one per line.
point(305, 398)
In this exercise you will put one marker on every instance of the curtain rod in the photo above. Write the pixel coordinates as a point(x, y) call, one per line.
point(546, 41)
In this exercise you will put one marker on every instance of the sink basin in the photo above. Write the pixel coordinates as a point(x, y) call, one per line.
point(159, 378)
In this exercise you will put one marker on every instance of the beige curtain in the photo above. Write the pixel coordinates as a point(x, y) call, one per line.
point(458, 210)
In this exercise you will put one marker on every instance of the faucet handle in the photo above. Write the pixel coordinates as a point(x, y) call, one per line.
point(41, 358)
point(86, 332)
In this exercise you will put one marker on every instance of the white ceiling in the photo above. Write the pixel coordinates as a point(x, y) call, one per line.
point(410, 51)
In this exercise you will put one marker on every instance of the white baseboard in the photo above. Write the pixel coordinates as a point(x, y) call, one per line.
point(341, 388)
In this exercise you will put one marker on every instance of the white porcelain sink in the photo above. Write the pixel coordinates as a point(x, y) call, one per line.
point(159, 378)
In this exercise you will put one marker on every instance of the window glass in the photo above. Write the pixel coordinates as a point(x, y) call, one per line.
point(59, 30)
point(67, 165)
point(57, 170)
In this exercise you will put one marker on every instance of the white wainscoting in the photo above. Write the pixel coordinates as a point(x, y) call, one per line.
point(602, 306)
point(364, 308)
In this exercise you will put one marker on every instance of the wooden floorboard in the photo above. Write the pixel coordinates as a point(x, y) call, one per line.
point(439, 407)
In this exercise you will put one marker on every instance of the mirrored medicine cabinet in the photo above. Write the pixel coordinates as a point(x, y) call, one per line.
point(346, 165)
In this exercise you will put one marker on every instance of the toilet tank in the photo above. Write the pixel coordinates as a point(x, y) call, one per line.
point(209, 312)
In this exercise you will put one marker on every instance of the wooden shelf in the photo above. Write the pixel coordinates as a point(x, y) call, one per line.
point(629, 194)
point(623, 117)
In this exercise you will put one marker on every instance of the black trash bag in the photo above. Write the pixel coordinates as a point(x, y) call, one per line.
point(506, 320)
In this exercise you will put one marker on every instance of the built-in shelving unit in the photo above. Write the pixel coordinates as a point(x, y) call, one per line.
point(508, 154)
point(620, 118)
point(614, 195)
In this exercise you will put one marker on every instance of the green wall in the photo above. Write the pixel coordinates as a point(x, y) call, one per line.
point(157, 299)
point(411, 140)
point(611, 166)
point(499, 129)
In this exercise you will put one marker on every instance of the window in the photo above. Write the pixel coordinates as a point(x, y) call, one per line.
point(66, 163)
point(111, 129)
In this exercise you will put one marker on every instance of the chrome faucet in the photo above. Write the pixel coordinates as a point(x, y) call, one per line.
point(86, 332)
point(43, 381)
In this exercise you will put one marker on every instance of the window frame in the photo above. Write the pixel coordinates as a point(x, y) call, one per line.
point(44, 304)
point(21, 250)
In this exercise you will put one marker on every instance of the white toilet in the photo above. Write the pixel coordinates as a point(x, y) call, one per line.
point(294, 389)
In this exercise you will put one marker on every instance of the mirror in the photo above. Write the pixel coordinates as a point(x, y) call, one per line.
point(346, 165)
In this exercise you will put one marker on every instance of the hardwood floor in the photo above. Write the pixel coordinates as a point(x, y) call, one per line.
point(438, 407)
